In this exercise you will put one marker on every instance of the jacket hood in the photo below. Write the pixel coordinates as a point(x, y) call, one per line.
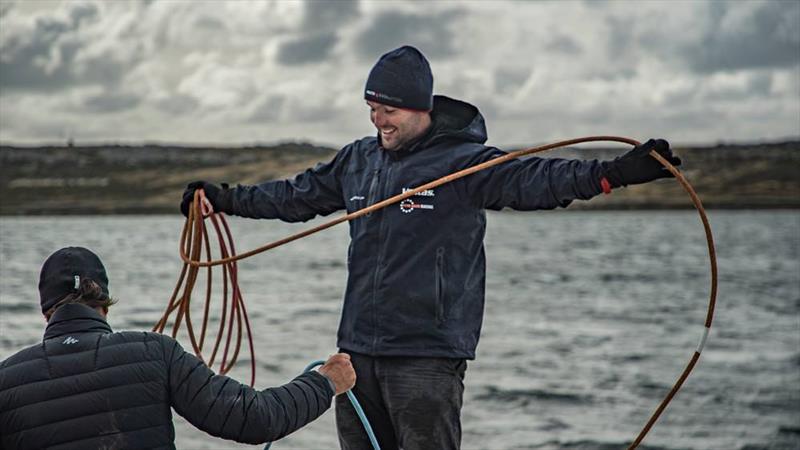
point(451, 119)
point(455, 119)
point(75, 318)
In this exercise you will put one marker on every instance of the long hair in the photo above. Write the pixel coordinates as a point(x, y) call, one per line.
point(89, 293)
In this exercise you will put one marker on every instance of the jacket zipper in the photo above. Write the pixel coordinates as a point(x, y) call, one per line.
point(379, 260)
point(440, 315)
point(372, 189)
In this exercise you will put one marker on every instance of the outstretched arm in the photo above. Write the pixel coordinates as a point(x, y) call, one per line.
point(316, 191)
point(546, 183)
point(223, 407)
point(532, 183)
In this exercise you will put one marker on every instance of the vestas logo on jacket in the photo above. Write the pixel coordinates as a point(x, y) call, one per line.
point(408, 205)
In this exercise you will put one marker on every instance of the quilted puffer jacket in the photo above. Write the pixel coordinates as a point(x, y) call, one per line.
point(87, 387)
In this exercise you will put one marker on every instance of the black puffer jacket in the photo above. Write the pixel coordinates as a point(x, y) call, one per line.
point(87, 387)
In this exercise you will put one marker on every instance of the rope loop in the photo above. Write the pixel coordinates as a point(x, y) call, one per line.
point(233, 313)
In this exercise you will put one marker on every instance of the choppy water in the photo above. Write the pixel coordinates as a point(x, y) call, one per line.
point(590, 318)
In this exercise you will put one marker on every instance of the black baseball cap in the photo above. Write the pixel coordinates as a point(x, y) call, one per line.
point(63, 272)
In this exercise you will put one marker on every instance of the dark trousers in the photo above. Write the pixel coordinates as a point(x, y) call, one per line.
point(412, 403)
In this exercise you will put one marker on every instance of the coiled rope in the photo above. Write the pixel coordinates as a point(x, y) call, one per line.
point(191, 255)
point(194, 239)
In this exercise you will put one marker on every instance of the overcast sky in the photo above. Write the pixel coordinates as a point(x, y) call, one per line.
point(241, 72)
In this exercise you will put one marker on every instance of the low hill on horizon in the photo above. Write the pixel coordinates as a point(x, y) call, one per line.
point(149, 179)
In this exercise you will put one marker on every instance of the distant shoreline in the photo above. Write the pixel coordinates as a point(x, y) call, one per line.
point(149, 179)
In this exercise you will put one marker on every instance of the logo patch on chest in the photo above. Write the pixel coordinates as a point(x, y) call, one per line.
point(408, 205)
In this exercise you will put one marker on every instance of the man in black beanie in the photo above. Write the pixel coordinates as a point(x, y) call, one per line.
point(86, 386)
point(413, 305)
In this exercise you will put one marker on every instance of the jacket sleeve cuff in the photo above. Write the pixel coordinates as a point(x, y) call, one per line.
point(328, 381)
point(610, 172)
point(225, 200)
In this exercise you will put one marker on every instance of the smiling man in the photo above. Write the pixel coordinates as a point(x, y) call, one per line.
point(413, 305)
point(397, 127)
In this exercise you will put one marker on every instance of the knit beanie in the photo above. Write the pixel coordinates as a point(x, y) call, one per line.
point(401, 78)
point(63, 272)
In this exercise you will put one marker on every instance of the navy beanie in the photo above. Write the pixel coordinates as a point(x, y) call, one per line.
point(401, 78)
point(63, 272)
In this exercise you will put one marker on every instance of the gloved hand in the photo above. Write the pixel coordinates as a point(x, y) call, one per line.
point(220, 198)
point(637, 166)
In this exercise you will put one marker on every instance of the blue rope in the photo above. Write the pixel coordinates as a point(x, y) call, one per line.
point(356, 406)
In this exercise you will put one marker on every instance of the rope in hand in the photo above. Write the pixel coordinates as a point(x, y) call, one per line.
point(357, 406)
point(194, 239)
point(190, 255)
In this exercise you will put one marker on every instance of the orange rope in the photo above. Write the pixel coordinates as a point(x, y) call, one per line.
point(194, 241)
point(190, 252)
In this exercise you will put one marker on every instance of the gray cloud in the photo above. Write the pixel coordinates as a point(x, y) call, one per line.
point(701, 70)
point(431, 32)
point(110, 102)
point(620, 37)
point(45, 58)
point(596, 4)
point(769, 37)
point(758, 85)
point(177, 104)
point(81, 12)
point(508, 80)
point(24, 57)
point(564, 44)
point(314, 113)
point(307, 49)
point(329, 14)
point(209, 23)
point(322, 19)
point(269, 110)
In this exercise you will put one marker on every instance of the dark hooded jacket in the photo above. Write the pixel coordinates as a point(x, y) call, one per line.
point(417, 268)
point(87, 387)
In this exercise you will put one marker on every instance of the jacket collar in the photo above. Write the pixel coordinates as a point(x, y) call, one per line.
point(75, 318)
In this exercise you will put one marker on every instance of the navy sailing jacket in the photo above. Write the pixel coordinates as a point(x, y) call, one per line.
point(85, 387)
point(417, 269)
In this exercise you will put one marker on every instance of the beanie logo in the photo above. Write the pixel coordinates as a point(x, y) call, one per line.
point(70, 340)
point(382, 96)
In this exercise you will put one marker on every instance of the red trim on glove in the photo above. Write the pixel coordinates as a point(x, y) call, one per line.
point(606, 185)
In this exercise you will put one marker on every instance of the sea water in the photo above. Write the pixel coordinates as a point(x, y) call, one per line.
point(590, 318)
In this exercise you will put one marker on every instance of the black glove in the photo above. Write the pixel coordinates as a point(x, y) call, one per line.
point(637, 166)
point(220, 198)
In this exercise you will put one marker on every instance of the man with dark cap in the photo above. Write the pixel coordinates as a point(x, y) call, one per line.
point(86, 386)
point(413, 305)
